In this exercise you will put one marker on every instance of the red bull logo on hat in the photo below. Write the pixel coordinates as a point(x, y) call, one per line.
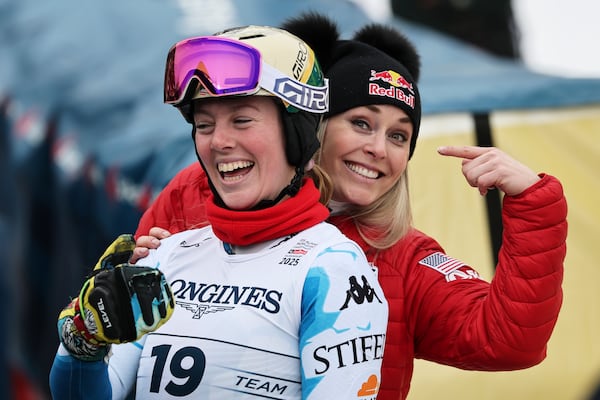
point(397, 89)
point(393, 78)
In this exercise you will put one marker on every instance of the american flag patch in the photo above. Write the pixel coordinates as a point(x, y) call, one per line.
point(441, 263)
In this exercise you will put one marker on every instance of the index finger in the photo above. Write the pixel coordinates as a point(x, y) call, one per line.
point(468, 152)
point(159, 232)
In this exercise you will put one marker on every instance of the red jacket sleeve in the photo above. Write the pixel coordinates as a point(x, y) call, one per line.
point(506, 324)
point(180, 205)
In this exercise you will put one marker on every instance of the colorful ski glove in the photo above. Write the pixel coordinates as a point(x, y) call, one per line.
point(118, 303)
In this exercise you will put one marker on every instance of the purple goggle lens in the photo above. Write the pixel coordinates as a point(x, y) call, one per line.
point(222, 66)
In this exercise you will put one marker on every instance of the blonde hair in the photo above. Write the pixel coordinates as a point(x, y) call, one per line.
point(321, 178)
point(323, 182)
point(385, 221)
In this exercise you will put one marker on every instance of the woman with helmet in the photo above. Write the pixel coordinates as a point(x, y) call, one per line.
point(440, 308)
point(269, 300)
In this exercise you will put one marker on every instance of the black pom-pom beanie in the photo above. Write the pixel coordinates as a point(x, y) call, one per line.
point(378, 65)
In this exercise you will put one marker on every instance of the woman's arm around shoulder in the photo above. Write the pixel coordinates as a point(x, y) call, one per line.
point(180, 205)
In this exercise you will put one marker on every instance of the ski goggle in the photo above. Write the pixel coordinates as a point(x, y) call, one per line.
point(225, 67)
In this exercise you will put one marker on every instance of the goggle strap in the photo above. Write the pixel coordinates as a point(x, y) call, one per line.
point(314, 99)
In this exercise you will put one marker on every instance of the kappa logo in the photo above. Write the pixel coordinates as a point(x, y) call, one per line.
point(200, 309)
point(369, 388)
point(360, 293)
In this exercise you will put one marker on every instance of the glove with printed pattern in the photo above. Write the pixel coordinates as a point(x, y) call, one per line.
point(118, 303)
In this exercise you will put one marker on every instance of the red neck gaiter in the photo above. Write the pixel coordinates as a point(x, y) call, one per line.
point(243, 228)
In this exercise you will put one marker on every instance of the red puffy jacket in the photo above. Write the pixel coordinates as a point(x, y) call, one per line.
point(439, 308)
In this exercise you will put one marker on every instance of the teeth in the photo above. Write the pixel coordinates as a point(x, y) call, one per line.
point(232, 166)
point(363, 171)
point(232, 178)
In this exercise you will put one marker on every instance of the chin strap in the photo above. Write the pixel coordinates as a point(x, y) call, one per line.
point(290, 190)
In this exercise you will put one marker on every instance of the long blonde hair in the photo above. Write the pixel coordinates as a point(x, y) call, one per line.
point(382, 223)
